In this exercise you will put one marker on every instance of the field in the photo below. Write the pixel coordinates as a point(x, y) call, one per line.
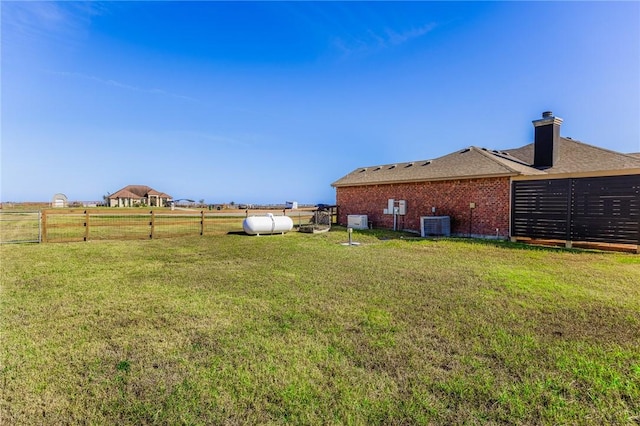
point(298, 328)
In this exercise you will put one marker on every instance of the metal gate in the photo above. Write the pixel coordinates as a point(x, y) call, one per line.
point(594, 209)
point(20, 227)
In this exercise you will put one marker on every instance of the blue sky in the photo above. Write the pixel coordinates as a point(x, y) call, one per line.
point(272, 101)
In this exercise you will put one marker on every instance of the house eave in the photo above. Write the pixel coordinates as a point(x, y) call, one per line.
point(438, 179)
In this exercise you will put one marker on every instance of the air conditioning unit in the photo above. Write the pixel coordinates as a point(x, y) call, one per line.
point(435, 226)
point(357, 221)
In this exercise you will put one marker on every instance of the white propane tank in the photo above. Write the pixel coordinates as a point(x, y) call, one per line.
point(269, 224)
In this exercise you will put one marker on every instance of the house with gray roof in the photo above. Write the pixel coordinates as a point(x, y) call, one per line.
point(138, 195)
point(555, 187)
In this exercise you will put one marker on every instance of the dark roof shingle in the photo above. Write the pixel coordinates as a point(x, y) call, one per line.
point(468, 163)
point(137, 191)
point(473, 162)
point(575, 156)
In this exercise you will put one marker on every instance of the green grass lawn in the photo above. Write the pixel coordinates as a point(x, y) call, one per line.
point(300, 329)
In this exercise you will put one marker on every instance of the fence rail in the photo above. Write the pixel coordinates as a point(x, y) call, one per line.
point(66, 225)
point(20, 227)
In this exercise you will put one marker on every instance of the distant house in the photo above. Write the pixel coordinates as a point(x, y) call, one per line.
point(138, 195)
point(554, 188)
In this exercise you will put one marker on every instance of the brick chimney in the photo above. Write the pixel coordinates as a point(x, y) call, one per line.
point(545, 146)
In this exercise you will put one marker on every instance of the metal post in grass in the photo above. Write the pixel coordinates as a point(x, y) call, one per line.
point(350, 242)
point(202, 222)
point(86, 225)
point(152, 224)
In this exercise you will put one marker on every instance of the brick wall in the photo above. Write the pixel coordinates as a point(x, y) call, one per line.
point(450, 198)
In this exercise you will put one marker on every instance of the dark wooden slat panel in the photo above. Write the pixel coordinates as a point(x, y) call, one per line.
point(539, 208)
point(606, 209)
point(599, 209)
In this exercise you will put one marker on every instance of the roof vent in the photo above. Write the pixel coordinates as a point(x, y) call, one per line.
point(426, 163)
point(547, 114)
point(465, 150)
point(408, 165)
point(393, 166)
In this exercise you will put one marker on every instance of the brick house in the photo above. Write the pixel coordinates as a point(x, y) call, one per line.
point(138, 195)
point(476, 188)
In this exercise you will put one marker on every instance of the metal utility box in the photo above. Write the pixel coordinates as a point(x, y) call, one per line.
point(431, 226)
point(402, 207)
point(396, 207)
point(357, 221)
